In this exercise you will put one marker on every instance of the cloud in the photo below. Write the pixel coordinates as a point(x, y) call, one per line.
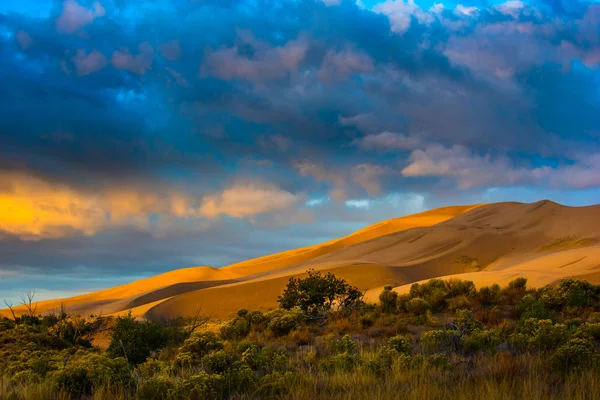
point(388, 141)
point(344, 64)
point(90, 63)
point(367, 177)
point(266, 63)
point(401, 12)
point(25, 41)
point(171, 50)
point(75, 16)
point(248, 199)
point(469, 169)
point(337, 180)
point(138, 63)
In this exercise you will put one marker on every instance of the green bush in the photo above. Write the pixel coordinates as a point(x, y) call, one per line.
point(136, 340)
point(240, 379)
point(417, 306)
point(575, 356)
point(400, 344)
point(437, 341)
point(155, 388)
point(80, 376)
point(490, 295)
point(254, 358)
point(539, 335)
point(199, 387)
point(282, 325)
point(345, 345)
point(465, 322)
point(482, 340)
point(216, 362)
point(236, 329)
point(518, 284)
point(341, 362)
point(318, 293)
point(388, 299)
point(202, 343)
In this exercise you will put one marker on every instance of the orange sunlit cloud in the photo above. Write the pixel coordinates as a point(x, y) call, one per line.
point(32, 208)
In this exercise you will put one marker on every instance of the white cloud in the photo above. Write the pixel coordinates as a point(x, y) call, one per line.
point(469, 169)
point(248, 199)
point(461, 10)
point(400, 13)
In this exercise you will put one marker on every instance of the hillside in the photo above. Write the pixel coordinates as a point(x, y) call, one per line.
point(543, 241)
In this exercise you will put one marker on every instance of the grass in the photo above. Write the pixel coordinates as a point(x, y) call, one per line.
point(565, 242)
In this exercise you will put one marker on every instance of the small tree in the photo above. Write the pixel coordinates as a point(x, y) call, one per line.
point(317, 294)
point(136, 340)
point(388, 299)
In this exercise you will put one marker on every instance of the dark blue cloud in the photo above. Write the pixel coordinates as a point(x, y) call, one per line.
point(170, 94)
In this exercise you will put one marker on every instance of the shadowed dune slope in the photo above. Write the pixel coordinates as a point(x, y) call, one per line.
point(491, 243)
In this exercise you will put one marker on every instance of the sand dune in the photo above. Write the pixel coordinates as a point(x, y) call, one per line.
point(491, 243)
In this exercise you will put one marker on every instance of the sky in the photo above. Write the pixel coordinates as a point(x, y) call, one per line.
point(138, 137)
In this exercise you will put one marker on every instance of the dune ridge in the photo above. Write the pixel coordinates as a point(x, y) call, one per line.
point(490, 243)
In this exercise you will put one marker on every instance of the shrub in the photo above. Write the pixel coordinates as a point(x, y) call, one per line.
point(417, 306)
point(156, 388)
point(80, 376)
point(254, 358)
point(457, 287)
point(388, 299)
point(465, 322)
point(257, 318)
point(518, 284)
point(201, 386)
point(280, 363)
point(490, 295)
point(216, 362)
point(202, 343)
point(530, 307)
point(317, 293)
point(136, 340)
point(282, 325)
point(345, 345)
point(437, 341)
point(575, 356)
point(236, 329)
point(240, 379)
point(400, 344)
point(480, 340)
point(538, 335)
point(341, 362)
point(150, 368)
point(439, 362)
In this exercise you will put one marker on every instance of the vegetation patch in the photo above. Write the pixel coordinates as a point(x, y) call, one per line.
point(566, 242)
point(445, 339)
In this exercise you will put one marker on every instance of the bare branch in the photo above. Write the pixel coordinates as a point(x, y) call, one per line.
point(10, 307)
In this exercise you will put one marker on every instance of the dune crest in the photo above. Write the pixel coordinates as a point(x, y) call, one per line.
point(491, 243)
